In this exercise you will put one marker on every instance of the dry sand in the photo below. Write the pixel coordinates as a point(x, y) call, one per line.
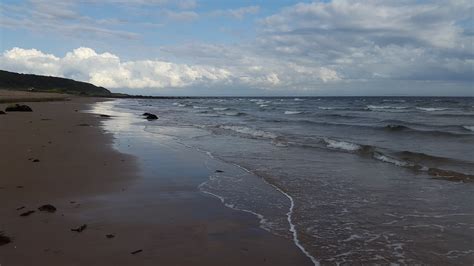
point(77, 168)
point(28, 96)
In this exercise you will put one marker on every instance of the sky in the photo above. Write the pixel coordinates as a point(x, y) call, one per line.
point(269, 48)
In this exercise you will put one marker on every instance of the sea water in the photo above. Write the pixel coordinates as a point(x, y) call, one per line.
point(348, 179)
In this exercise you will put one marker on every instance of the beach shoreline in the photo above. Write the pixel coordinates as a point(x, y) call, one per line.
point(81, 173)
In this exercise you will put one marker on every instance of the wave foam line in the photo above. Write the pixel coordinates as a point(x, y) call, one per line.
point(293, 227)
point(289, 216)
point(262, 219)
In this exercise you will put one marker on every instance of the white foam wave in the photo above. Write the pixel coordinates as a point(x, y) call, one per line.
point(200, 107)
point(250, 131)
point(431, 109)
point(379, 107)
point(471, 128)
point(298, 99)
point(341, 145)
point(327, 108)
point(220, 108)
point(231, 113)
point(181, 105)
point(292, 112)
point(391, 160)
point(289, 216)
point(263, 105)
point(296, 240)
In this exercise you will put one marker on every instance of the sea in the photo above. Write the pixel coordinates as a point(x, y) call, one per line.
point(351, 180)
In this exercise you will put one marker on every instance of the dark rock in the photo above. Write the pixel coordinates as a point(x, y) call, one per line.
point(19, 186)
point(84, 125)
point(2, 113)
point(4, 239)
point(18, 108)
point(80, 228)
point(20, 208)
point(36, 160)
point(107, 116)
point(150, 116)
point(136, 251)
point(28, 213)
point(47, 208)
point(219, 171)
point(110, 236)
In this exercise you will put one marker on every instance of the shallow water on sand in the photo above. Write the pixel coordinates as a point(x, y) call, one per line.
point(366, 180)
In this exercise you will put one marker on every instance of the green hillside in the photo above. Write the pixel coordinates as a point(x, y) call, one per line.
point(16, 81)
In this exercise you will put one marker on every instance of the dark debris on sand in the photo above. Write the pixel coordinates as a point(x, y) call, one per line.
point(4, 239)
point(18, 108)
point(80, 228)
point(47, 208)
point(110, 236)
point(136, 251)
point(28, 213)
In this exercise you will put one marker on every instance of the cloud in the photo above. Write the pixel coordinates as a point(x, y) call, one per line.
point(187, 4)
point(238, 13)
point(302, 47)
point(183, 16)
point(397, 40)
point(108, 70)
point(59, 17)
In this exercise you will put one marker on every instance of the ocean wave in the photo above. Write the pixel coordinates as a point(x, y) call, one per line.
point(431, 109)
point(427, 159)
point(200, 107)
point(388, 159)
point(280, 141)
point(393, 100)
point(395, 127)
point(292, 112)
point(470, 128)
point(263, 105)
point(332, 108)
point(220, 108)
point(341, 145)
point(450, 175)
point(232, 113)
point(448, 130)
point(406, 159)
point(385, 107)
point(250, 132)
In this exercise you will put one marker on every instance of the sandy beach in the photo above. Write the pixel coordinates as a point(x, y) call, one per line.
point(59, 155)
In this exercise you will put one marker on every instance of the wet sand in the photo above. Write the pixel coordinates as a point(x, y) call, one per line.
point(152, 207)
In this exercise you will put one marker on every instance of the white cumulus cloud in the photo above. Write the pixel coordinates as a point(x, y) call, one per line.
point(106, 69)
